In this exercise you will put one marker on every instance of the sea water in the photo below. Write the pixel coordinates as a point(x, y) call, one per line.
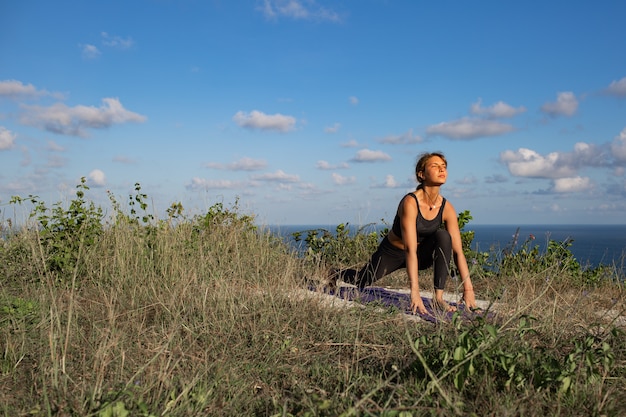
point(591, 245)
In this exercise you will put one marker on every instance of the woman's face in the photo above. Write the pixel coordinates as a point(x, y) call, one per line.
point(436, 171)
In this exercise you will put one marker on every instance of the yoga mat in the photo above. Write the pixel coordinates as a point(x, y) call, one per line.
point(399, 300)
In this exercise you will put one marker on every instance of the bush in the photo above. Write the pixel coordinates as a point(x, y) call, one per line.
point(65, 233)
point(341, 248)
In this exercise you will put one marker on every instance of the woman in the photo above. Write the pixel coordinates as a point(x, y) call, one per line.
point(417, 240)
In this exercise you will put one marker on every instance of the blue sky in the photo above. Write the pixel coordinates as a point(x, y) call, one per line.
point(314, 111)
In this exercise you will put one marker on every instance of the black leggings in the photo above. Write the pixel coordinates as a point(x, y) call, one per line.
point(436, 249)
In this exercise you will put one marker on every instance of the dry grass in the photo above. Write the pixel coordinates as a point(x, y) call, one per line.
point(189, 322)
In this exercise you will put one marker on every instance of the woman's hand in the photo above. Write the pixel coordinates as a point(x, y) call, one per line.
point(417, 305)
point(469, 298)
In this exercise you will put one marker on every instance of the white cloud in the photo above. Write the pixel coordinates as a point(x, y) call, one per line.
point(18, 187)
point(278, 176)
point(206, 184)
point(556, 208)
point(617, 88)
point(498, 110)
point(7, 139)
point(14, 89)
point(366, 155)
point(308, 186)
point(390, 181)
point(298, 10)
point(259, 120)
point(116, 41)
point(566, 104)
point(244, 164)
point(325, 165)
point(75, 121)
point(97, 178)
point(467, 180)
point(341, 180)
point(350, 144)
point(123, 159)
point(495, 179)
point(54, 147)
point(585, 155)
point(618, 146)
point(90, 51)
point(528, 163)
point(406, 138)
point(467, 128)
point(572, 185)
point(332, 129)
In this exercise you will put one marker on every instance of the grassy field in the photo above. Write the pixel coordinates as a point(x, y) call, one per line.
point(135, 316)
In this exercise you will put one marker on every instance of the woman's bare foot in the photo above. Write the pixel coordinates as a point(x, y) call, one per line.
point(443, 307)
point(331, 279)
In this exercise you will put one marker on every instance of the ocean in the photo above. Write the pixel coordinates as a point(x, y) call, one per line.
point(592, 245)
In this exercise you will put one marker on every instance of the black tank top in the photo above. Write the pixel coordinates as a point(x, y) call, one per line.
point(425, 228)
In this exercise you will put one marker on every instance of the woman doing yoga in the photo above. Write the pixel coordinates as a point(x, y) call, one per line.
point(418, 241)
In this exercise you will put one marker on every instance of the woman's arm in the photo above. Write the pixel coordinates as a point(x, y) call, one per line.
point(408, 218)
point(452, 226)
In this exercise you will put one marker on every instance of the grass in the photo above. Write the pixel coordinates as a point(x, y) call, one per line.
point(202, 316)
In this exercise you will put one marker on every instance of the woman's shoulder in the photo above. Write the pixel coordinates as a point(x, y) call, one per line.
point(410, 198)
point(408, 201)
point(448, 207)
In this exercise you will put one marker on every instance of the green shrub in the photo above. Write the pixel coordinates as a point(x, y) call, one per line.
point(65, 232)
point(341, 248)
point(510, 358)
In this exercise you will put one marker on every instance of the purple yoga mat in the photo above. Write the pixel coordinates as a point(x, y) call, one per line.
point(399, 300)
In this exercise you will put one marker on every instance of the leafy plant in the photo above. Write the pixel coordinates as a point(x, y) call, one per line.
point(557, 257)
point(510, 358)
point(138, 205)
point(467, 236)
point(220, 216)
point(17, 309)
point(340, 248)
point(62, 231)
point(138, 202)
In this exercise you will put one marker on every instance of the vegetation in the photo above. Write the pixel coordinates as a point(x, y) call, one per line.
point(128, 315)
